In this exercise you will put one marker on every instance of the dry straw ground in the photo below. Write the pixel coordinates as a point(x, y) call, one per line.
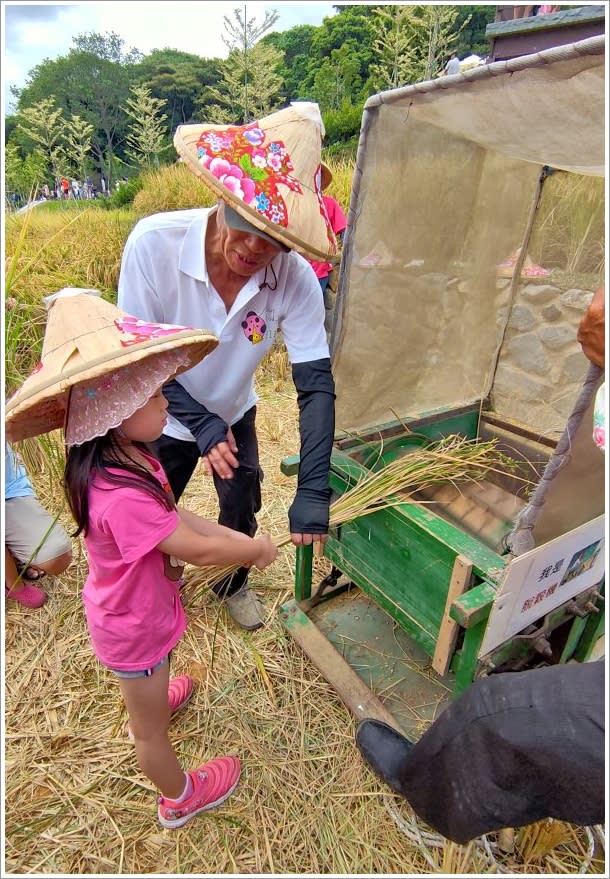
point(75, 802)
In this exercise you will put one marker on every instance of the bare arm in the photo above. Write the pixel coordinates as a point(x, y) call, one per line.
point(218, 548)
point(210, 529)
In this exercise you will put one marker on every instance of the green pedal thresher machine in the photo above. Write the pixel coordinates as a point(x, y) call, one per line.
point(466, 269)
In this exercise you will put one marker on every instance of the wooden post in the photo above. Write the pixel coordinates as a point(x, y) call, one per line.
point(448, 631)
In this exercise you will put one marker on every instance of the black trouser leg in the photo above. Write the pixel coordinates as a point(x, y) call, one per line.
point(179, 459)
point(240, 497)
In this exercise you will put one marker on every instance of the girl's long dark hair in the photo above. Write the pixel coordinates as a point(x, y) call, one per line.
point(95, 457)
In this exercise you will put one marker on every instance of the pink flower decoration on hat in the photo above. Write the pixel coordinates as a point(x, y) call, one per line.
point(142, 331)
point(250, 168)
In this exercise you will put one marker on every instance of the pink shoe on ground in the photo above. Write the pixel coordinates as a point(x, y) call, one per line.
point(179, 691)
point(213, 783)
point(28, 595)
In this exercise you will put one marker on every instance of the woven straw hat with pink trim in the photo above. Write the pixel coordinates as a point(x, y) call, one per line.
point(269, 171)
point(98, 366)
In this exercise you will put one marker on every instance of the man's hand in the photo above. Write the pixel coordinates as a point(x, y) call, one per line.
point(318, 541)
point(308, 518)
point(221, 458)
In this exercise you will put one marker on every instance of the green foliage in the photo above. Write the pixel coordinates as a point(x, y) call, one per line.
point(337, 79)
point(242, 33)
point(126, 192)
point(359, 50)
point(296, 48)
point(343, 124)
point(108, 46)
point(78, 140)
point(146, 134)
point(178, 78)
point(90, 87)
point(470, 26)
point(249, 87)
point(24, 176)
point(395, 54)
point(43, 123)
point(432, 34)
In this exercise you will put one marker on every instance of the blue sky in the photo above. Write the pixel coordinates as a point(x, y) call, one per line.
point(35, 31)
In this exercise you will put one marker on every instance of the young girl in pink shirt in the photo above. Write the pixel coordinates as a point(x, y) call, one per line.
point(134, 533)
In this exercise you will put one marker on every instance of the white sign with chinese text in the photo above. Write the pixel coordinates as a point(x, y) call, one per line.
point(540, 580)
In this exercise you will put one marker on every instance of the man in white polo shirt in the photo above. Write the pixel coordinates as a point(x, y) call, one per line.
point(234, 269)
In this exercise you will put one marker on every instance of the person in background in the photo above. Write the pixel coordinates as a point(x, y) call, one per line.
point(524, 11)
point(453, 65)
point(234, 269)
point(35, 544)
point(338, 224)
point(514, 748)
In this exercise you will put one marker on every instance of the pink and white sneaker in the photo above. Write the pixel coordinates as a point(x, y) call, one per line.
point(27, 595)
point(213, 783)
point(179, 691)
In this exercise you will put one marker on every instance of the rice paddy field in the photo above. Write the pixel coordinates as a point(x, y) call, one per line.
point(75, 801)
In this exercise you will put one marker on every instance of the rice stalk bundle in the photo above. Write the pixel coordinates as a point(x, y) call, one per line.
point(453, 459)
point(536, 840)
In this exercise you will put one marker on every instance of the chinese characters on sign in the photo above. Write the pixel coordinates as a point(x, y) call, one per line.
point(543, 579)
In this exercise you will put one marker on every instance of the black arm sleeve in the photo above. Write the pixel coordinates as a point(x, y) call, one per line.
point(315, 386)
point(207, 428)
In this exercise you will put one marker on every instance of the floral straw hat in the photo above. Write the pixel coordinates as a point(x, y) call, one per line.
point(269, 171)
point(99, 365)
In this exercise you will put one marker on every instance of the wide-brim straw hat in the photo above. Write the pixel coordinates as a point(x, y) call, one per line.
point(269, 171)
point(87, 337)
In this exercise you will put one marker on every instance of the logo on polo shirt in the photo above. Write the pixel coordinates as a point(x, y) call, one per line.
point(254, 328)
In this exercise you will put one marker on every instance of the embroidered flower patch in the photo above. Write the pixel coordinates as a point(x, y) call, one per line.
point(250, 168)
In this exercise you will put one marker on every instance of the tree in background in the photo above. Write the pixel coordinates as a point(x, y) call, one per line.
point(43, 123)
point(433, 34)
point(352, 54)
point(23, 176)
point(240, 37)
point(394, 53)
point(470, 25)
point(295, 45)
point(259, 88)
point(108, 47)
point(77, 134)
point(337, 78)
point(178, 78)
point(90, 86)
point(146, 134)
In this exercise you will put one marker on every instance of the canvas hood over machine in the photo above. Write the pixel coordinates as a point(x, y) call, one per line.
point(453, 316)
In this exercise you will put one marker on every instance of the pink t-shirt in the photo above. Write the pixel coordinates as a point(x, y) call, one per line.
point(338, 224)
point(131, 595)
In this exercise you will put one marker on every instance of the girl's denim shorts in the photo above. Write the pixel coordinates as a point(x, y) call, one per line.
point(144, 673)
